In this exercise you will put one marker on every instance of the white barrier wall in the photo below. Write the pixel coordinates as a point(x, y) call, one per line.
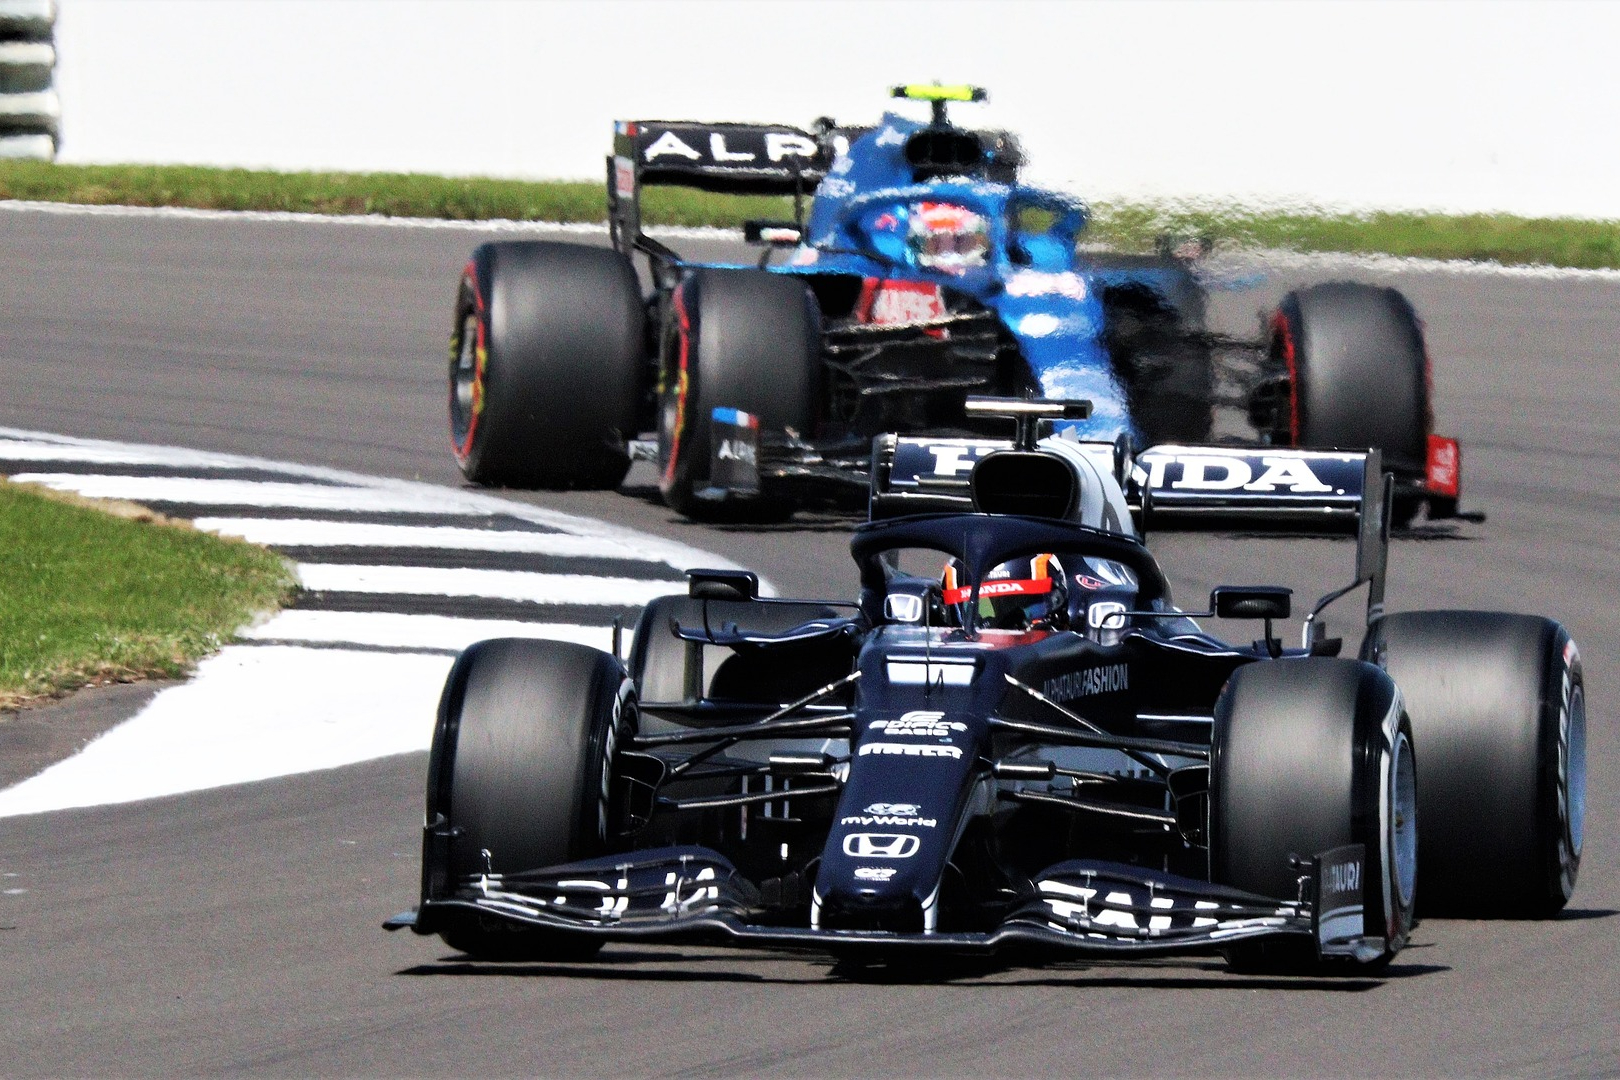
point(1460, 106)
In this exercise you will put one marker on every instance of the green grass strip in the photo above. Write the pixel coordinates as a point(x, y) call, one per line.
point(1500, 238)
point(392, 194)
point(1503, 238)
point(91, 596)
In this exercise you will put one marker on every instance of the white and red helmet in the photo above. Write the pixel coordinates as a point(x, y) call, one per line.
point(947, 237)
point(1023, 594)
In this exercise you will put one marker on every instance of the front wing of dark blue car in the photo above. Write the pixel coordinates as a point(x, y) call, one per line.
point(1078, 907)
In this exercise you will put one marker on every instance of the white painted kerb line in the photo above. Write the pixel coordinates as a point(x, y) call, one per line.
point(391, 630)
point(298, 532)
point(188, 491)
point(111, 454)
point(488, 584)
point(250, 713)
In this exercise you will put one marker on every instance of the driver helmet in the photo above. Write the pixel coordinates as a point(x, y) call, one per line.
point(947, 237)
point(1022, 594)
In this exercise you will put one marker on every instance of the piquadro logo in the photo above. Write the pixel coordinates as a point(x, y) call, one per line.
point(870, 845)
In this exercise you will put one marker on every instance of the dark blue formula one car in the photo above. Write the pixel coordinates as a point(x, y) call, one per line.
point(922, 273)
point(1013, 739)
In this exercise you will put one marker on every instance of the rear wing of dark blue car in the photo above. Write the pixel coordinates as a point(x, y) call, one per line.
point(1246, 489)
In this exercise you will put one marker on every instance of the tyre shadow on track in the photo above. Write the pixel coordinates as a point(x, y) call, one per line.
point(618, 966)
point(682, 968)
point(1167, 974)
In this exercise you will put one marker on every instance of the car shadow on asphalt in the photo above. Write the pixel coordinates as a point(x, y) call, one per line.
point(964, 973)
point(623, 966)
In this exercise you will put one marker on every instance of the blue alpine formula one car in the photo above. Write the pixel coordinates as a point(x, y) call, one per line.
point(917, 271)
point(1012, 739)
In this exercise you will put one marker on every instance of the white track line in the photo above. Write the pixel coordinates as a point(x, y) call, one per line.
point(34, 450)
point(388, 630)
point(299, 532)
point(252, 712)
point(267, 494)
point(489, 584)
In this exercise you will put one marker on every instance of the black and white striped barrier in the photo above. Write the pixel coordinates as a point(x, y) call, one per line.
point(397, 577)
point(30, 109)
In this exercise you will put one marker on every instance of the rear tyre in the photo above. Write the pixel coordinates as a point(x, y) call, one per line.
point(1358, 374)
point(547, 357)
point(1498, 704)
point(1308, 755)
point(522, 768)
point(740, 339)
point(1167, 371)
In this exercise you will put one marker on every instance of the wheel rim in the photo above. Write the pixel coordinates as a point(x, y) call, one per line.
point(1403, 823)
point(464, 379)
point(1575, 771)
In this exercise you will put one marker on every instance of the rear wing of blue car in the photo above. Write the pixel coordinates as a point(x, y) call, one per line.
point(735, 159)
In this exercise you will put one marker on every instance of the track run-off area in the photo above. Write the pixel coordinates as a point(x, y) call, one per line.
point(235, 929)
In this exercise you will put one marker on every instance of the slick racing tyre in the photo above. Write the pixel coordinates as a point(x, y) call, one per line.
point(739, 339)
point(547, 363)
point(1498, 706)
point(1169, 375)
point(522, 767)
point(1310, 754)
point(1358, 374)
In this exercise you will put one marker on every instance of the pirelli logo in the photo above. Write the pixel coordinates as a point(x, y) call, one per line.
point(1108, 679)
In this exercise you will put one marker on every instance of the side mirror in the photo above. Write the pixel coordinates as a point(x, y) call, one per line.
point(1251, 601)
point(723, 584)
point(773, 233)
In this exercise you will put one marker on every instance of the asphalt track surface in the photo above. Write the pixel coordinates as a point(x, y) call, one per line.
point(235, 931)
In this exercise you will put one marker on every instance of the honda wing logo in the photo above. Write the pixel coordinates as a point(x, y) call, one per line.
point(1254, 472)
point(872, 845)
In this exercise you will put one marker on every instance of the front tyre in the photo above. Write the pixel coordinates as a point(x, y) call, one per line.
point(1498, 702)
point(1307, 755)
point(521, 776)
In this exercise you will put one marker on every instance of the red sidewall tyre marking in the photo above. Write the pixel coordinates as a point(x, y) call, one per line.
point(683, 388)
point(469, 279)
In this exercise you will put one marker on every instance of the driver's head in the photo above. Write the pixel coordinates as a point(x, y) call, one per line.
point(1023, 594)
point(947, 237)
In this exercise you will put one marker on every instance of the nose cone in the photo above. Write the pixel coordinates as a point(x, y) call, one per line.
point(897, 822)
